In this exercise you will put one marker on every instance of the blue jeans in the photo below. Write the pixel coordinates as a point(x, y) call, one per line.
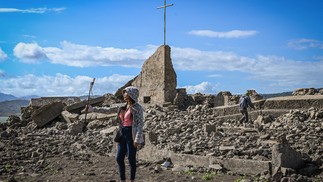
point(126, 147)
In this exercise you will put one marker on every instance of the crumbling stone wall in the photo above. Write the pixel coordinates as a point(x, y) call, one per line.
point(254, 95)
point(225, 98)
point(308, 91)
point(157, 80)
point(182, 100)
point(222, 98)
point(219, 99)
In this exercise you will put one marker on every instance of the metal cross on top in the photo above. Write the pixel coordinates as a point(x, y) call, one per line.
point(165, 6)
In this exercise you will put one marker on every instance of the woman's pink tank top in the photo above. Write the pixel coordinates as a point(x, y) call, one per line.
point(126, 118)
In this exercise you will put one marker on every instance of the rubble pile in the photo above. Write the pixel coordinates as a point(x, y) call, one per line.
point(197, 131)
point(24, 147)
point(26, 143)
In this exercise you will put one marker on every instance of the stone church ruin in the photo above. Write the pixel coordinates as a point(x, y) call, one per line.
point(157, 83)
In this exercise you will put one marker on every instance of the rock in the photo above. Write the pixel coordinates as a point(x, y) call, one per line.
point(75, 128)
point(47, 113)
point(286, 156)
point(14, 121)
point(95, 124)
point(217, 167)
point(69, 117)
point(61, 126)
point(209, 128)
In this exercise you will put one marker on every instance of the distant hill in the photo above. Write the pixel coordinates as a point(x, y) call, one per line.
point(28, 97)
point(4, 97)
point(12, 107)
point(8, 97)
point(267, 96)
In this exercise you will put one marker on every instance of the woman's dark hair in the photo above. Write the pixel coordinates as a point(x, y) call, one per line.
point(132, 101)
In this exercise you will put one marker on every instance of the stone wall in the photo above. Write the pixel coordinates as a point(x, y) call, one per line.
point(219, 99)
point(308, 91)
point(157, 80)
point(181, 99)
point(294, 102)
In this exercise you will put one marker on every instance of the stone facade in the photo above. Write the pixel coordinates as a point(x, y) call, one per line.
point(223, 98)
point(157, 80)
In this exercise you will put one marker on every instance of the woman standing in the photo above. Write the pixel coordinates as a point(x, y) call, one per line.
point(130, 119)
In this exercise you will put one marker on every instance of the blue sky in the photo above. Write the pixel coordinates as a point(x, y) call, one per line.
point(56, 47)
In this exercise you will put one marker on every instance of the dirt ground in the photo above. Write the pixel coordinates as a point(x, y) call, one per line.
point(104, 168)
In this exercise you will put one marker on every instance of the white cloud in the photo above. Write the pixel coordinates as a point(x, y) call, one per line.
point(29, 53)
point(282, 71)
point(204, 87)
point(273, 69)
point(194, 59)
point(31, 10)
point(302, 44)
point(269, 69)
point(61, 85)
point(84, 56)
point(229, 34)
point(215, 76)
point(3, 55)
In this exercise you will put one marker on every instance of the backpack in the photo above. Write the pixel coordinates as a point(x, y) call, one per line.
point(244, 102)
